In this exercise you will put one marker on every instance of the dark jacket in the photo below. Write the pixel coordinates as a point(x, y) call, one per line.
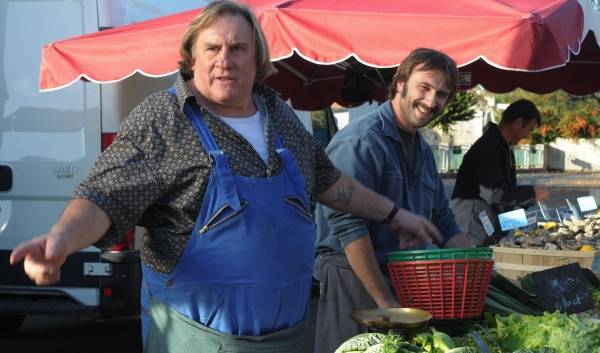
point(490, 163)
point(488, 173)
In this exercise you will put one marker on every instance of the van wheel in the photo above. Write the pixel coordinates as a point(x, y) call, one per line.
point(11, 323)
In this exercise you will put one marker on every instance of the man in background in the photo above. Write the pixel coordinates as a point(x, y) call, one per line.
point(487, 178)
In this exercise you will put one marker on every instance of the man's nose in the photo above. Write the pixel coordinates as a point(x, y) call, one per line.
point(430, 99)
point(224, 58)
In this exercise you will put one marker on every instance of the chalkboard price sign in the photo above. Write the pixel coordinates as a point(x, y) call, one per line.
point(562, 288)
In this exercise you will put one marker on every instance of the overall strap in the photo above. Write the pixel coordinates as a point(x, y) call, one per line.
point(291, 169)
point(220, 165)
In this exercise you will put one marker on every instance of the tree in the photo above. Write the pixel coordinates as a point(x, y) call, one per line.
point(462, 108)
point(563, 115)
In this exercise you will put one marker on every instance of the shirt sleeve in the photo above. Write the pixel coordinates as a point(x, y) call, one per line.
point(326, 174)
point(309, 154)
point(355, 157)
point(124, 181)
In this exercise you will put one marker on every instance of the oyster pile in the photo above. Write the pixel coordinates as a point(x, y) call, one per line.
point(571, 235)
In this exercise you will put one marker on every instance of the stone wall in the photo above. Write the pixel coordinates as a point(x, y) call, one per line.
point(573, 155)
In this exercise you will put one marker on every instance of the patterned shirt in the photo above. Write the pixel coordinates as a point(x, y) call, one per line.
point(156, 171)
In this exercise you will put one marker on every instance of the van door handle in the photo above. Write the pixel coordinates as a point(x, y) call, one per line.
point(6, 178)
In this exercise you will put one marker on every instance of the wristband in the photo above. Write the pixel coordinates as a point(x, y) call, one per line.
point(390, 216)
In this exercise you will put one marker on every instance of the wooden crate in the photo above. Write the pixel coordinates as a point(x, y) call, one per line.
point(515, 262)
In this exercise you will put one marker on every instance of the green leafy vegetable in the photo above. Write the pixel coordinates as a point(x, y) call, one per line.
point(561, 332)
point(442, 342)
point(378, 348)
point(595, 292)
point(361, 342)
point(424, 340)
point(391, 343)
point(464, 350)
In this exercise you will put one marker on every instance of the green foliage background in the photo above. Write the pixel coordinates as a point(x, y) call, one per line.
point(563, 115)
point(462, 108)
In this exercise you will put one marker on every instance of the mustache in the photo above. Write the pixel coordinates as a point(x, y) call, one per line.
point(433, 110)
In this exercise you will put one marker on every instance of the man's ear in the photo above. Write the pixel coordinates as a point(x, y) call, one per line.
point(399, 87)
point(520, 122)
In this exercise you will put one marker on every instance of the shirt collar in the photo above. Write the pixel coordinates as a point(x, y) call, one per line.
point(388, 122)
point(390, 129)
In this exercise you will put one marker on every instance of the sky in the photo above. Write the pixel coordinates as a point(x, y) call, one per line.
point(120, 12)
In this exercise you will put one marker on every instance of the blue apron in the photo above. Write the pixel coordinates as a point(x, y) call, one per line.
point(247, 268)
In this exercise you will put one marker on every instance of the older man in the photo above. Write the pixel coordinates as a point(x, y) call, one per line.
point(220, 172)
point(385, 152)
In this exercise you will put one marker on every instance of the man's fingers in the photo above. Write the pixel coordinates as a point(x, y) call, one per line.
point(22, 250)
point(419, 229)
point(411, 243)
point(435, 234)
point(41, 271)
point(428, 233)
point(407, 241)
point(47, 278)
point(40, 265)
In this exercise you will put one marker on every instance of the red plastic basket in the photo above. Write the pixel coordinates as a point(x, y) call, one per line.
point(448, 289)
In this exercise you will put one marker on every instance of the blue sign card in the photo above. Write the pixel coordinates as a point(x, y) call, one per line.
point(513, 219)
point(587, 203)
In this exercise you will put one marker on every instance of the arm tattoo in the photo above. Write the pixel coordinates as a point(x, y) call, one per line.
point(344, 195)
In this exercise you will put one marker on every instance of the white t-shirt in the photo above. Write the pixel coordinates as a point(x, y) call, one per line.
point(253, 131)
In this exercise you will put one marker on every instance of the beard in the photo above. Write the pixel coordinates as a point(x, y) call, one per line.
point(407, 106)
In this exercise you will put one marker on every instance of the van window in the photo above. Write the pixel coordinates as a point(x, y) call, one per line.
point(50, 123)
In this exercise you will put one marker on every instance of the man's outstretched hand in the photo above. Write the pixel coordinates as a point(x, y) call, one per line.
point(42, 258)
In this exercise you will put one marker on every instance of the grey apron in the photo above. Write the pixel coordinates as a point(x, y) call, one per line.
point(172, 332)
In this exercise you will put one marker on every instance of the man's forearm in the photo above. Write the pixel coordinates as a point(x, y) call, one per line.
point(350, 196)
point(361, 257)
point(82, 224)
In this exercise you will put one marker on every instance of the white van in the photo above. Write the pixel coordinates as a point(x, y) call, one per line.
point(48, 142)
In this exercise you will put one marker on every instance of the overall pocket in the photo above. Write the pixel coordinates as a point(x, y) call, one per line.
point(223, 215)
point(297, 205)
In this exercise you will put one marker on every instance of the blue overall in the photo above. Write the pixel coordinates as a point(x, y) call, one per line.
point(248, 263)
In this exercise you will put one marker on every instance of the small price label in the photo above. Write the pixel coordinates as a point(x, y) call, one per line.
point(513, 219)
point(573, 210)
point(544, 209)
point(487, 224)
